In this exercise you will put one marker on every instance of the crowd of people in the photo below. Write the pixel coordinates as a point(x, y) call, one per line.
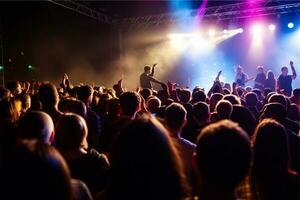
point(90, 142)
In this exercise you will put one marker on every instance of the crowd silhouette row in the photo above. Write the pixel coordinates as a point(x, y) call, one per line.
point(91, 142)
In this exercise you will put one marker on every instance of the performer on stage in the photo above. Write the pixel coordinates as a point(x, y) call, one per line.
point(284, 81)
point(260, 79)
point(241, 77)
point(146, 78)
point(270, 81)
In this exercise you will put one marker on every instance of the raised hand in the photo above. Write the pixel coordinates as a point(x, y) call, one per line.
point(291, 63)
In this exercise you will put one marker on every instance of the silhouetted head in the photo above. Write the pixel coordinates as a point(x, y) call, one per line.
point(223, 154)
point(270, 75)
point(243, 116)
point(267, 91)
point(260, 69)
point(278, 98)
point(296, 92)
point(146, 92)
point(214, 99)
point(274, 111)
point(175, 116)
point(147, 69)
point(251, 99)
point(48, 96)
point(4, 93)
point(224, 109)
point(185, 95)
point(234, 100)
point(26, 101)
point(130, 103)
point(36, 125)
point(239, 69)
point(85, 94)
point(10, 110)
point(199, 96)
point(74, 106)
point(258, 92)
point(270, 148)
point(146, 164)
point(71, 133)
point(284, 71)
point(153, 103)
point(113, 107)
point(201, 113)
point(14, 87)
point(37, 171)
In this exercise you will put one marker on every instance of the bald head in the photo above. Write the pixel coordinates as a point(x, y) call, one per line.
point(36, 125)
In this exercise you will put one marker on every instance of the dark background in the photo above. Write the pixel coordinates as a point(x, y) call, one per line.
point(53, 40)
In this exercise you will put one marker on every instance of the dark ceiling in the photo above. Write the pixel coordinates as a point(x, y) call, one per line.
point(121, 9)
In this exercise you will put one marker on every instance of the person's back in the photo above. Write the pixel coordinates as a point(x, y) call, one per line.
point(49, 99)
point(93, 120)
point(271, 177)
point(36, 171)
point(175, 117)
point(85, 164)
point(145, 81)
point(243, 116)
point(251, 102)
point(200, 119)
point(223, 159)
point(145, 164)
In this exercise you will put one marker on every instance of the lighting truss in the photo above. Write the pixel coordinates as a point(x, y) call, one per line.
point(225, 12)
point(84, 10)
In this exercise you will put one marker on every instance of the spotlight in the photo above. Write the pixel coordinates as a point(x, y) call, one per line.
point(272, 27)
point(257, 36)
point(257, 29)
point(290, 25)
point(240, 30)
point(225, 31)
point(211, 32)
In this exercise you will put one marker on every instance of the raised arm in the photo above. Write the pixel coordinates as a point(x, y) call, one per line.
point(218, 76)
point(294, 75)
point(155, 80)
point(152, 72)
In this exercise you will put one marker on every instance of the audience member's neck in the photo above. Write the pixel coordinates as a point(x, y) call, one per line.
point(175, 133)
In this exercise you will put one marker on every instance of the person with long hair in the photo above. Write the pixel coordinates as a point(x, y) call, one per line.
point(271, 176)
point(85, 163)
point(145, 164)
point(270, 81)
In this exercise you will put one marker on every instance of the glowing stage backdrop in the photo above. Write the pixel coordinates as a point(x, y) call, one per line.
point(192, 52)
